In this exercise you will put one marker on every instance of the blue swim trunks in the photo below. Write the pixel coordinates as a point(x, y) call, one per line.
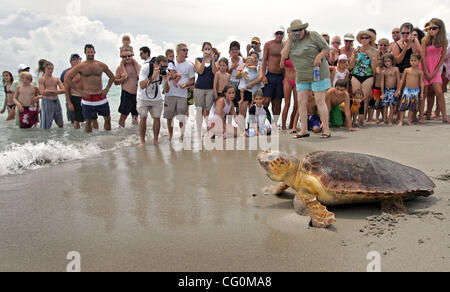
point(317, 86)
point(313, 121)
point(389, 97)
point(410, 99)
point(91, 112)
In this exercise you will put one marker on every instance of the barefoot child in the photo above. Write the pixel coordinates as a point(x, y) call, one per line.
point(340, 71)
point(26, 99)
point(376, 103)
point(217, 121)
point(174, 75)
point(390, 87)
point(48, 87)
point(222, 78)
point(412, 79)
point(335, 98)
point(357, 108)
point(247, 87)
point(8, 79)
point(259, 114)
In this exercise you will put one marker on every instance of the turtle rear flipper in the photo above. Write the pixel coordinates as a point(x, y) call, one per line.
point(307, 205)
point(393, 205)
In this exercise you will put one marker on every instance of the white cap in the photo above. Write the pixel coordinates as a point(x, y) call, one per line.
point(279, 28)
point(342, 57)
point(23, 67)
point(349, 37)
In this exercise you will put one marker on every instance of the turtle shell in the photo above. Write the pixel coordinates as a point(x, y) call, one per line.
point(344, 172)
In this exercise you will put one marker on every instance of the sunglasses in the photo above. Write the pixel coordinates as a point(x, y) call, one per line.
point(336, 43)
point(383, 45)
point(127, 57)
point(365, 38)
point(235, 49)
point(406, 32)
point(347, 41)
point(434, 27)
point(279, 33)
point(395, 32)
point(185, 50)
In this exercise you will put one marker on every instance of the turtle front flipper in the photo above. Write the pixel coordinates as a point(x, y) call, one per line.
point(393, 205)
point(276, 190)
point(306, 204)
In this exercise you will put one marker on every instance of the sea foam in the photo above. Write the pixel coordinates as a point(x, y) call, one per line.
point(17, 158)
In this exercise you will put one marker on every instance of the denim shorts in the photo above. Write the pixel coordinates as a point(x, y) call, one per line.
point(320, 85)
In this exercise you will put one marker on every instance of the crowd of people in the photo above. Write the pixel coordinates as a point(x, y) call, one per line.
point(332, 84)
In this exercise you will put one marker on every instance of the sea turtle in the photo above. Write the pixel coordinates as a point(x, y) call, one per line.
point(336, 178)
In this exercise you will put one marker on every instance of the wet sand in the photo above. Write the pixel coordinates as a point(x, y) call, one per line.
point(157, 209)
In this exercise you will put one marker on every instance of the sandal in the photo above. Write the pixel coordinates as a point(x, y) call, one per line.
point(325, 136)
point(302, 136)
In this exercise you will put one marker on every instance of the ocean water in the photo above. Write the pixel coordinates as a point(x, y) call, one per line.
point(22, 150)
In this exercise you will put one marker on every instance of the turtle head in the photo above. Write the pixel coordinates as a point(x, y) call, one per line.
point(278, 165)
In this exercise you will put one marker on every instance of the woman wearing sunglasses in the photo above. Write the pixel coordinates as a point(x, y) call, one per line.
point(363, 66)
point(336, 52)
point(434, 50)
point(405, 47)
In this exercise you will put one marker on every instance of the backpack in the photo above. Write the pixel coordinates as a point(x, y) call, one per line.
point(151, 64)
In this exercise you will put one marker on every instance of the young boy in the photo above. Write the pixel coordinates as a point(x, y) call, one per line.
point(412, 79)
point(314, 123)
point(51, 107)
point(390, 87)
point(126, 40)
point(25, 98)
point(258, 116)
point(249, 74)
point(174, 75)
point(376, 103)
point(334, 98)
point(356, 108)
point(222, 78)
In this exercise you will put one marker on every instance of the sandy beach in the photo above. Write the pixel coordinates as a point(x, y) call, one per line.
point(160, 209)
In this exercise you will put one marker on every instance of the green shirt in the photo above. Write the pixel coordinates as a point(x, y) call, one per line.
point(303, 53)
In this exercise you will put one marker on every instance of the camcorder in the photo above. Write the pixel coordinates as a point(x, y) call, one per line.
point(163, 70)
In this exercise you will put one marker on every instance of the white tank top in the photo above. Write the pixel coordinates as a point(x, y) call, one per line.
point(338, 75)
point(234, 72)
point(226, 110)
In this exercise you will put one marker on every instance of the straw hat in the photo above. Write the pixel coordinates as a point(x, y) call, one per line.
point(298, 25)
point(366, 32)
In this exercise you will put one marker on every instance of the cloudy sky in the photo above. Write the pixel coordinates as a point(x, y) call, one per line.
point(50, 29)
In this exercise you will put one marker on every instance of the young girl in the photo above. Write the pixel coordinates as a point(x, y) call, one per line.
point(48, 87)
point(340, 71)
point(224, 106)
point(26, 99)
point(7, 82)
point(259, 114)
point(221, 79)
point(390, 87)
point(290, 88)
point(434, 50)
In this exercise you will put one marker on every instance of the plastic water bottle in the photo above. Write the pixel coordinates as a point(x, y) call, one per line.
point(316, 73)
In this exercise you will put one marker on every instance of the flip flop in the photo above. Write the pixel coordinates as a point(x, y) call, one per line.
point(302, 136)
point(325, 136)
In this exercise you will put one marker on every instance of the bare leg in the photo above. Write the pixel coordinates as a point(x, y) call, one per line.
point(76, 125)
point(276, 109)
point(142, 130)
point(306, 204)
point(156, 129)
point(199, 120)
point(287, 104)
point(430, 101)
point(107, 125)
point(441, 101)
point(122, 120)
point(294, 114)
point(170, 128)
point(11, 114)
point(88, 126)
point(95, 124)
point(303, 97)
point(243, 109)
point(323, 111)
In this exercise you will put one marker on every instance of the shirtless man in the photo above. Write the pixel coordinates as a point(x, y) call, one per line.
point(396, 36)
point(273, 90)
point(73, 97)
point(94, 100)
point(129, 81)
point(338, 95)
point(348, 48)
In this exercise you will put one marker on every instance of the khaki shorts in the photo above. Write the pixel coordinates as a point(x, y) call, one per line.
point(174, 106)
point(204, 98)
point(154, 107)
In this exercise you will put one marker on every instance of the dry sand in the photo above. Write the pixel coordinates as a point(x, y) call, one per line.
point(157, 209)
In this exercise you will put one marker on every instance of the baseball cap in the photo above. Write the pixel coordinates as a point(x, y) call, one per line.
point(74, 57)
point(23, 67)
point(279, 28)
point(256, 40)
point(349, 37)
point(342, 57)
